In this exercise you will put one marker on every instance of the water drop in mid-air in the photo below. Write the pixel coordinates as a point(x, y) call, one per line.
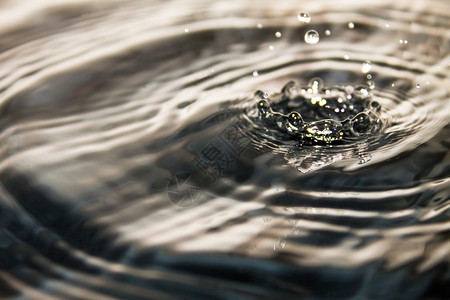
point(304, 17)
point(351, 25)
point(278, 34)
point(366, 66)
point(312, 37)
point(255, 73)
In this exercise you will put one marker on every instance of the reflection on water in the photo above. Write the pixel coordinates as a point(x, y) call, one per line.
point(135, 161)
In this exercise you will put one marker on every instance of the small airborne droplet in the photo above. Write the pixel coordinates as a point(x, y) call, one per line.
point(304, 17)
point(312, 37)
point(255, 73)
point(186, 30)
point(366, 66)
point(271, 47)
point(327, 32)
point(278, 34)
point(259, 26)
point(418, 86)
point(346, 57)
point(351, 25)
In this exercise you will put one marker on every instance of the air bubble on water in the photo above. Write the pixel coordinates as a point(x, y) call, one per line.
point(418, 85)
point(255, 73)
point(327, 32)
point(369, 76)
point(351, 25)
point(346, 57)
point(186, 30)
point(349, 89)
point(278, 34)
point(304, 17)
point(366, 66)
point(271, 47)
point(266, 95)
point(312, 37)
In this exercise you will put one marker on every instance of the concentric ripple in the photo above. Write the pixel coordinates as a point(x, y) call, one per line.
point(137, 162)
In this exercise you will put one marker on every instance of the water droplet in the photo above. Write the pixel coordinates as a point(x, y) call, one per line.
point(290, 89)
point(418, 85)
point(259, 26)
point(255, 73)
point(264, 108)
point(376, 105)
point(271, 47)
point(186, 30)
point(295, 121)
point(346, 57)
point(387, 25)
point(371, 84)
point(360, 123)
point(369, 76)
point(278, 34)
point(351, 25)
point(304, 17)
point(327, 32)
point(259, 95)
point(366, 66)
point(312, 37)
point(393, 84)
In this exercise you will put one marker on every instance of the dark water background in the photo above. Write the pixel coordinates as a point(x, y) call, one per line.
point(133, 164)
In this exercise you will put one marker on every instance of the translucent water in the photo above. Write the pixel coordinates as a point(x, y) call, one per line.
point(304, 17)
point(312, 37)
point(181, 149)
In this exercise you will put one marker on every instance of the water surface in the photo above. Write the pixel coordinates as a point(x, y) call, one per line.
point(134, 162)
